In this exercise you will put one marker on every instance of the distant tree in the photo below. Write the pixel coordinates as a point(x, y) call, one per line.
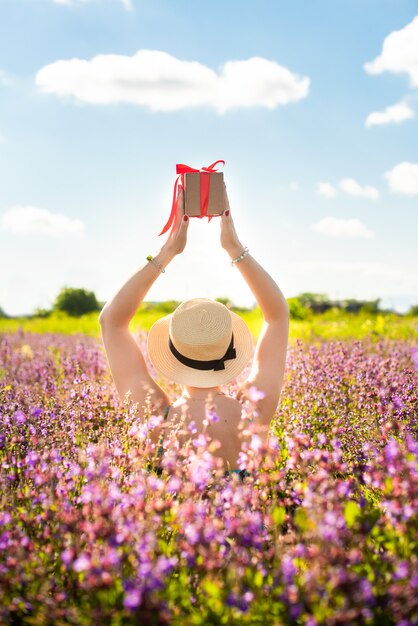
point(40, 312)
point(370, 306)
point(317, 302)
point(413, 310)
point(76, 302)
point(297, 310)
point(3, 313)
point(225, 300)
point(351, 305)
point(168, 306)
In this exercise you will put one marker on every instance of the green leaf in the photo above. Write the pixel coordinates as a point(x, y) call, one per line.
point(351, 512)
point(211, 588)
point(279, 515)
point(301, 519)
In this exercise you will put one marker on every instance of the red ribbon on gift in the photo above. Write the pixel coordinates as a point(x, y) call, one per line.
point(205, 172)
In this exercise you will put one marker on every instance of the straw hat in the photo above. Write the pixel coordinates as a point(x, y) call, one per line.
point(202, 344)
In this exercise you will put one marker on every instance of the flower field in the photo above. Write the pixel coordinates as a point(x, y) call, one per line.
point(323, 531)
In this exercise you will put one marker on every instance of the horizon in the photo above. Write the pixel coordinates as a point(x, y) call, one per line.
point(333, 302)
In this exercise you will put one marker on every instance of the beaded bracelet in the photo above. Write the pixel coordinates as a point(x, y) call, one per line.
point(241, 256)
point(151, 259)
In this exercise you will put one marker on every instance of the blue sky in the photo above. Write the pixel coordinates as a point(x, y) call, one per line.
point(313, 106)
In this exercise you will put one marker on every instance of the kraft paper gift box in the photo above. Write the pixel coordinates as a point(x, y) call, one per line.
point(193, 199)
point(203, 189)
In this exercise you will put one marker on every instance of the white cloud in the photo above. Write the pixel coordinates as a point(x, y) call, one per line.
point(127, 4)
point(294, 186)
point(399, 53)
point(337, 227)
point(162, 82)
point(30, 220)
point(394, 114)
point(352, 188)
point(326, 190)
point(403, 179)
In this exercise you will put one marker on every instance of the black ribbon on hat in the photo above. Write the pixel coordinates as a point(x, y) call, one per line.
point(214, 364)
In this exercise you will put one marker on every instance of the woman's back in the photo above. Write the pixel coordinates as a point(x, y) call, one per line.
point(223, 428)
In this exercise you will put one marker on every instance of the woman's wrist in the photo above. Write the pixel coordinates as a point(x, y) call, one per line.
point(235, 250)
point(164, 256)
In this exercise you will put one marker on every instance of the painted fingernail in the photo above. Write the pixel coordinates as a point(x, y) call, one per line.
point(227, 212)
point(186, 217)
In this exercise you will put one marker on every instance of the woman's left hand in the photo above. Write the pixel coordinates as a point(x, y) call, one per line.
point(177, 238)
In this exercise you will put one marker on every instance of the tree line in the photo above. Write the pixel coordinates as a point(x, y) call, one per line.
point(76, 302)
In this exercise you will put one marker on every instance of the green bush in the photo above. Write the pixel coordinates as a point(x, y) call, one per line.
point(297, 310)
point(40, 312)
point(76, 302)
point(224, 300)
point(413, 310)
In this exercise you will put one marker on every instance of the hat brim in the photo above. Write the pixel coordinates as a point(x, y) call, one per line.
point(168, 366)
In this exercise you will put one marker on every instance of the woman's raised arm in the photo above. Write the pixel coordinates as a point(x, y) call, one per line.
point(269, 361)
point(126, 361)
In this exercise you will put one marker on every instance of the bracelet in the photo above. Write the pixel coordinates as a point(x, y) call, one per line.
point(157, 265)
point(241, 256)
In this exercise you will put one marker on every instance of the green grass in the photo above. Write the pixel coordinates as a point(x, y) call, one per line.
point(326, 326)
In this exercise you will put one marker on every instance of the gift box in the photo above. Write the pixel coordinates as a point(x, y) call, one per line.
point(203, 192)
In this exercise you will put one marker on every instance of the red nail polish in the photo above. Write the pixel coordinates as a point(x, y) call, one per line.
point(227, 212)
point(186, 217)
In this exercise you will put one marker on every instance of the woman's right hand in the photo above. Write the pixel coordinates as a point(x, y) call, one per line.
point(229, 237)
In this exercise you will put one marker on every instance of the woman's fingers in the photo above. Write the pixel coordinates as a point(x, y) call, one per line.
point(179, 213)
point(180, 209)
point(180, 201)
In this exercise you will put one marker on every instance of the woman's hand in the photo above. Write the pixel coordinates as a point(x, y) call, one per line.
point(177, 238)
point(229, 237)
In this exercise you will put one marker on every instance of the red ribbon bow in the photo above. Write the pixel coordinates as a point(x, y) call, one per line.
point(205, 172)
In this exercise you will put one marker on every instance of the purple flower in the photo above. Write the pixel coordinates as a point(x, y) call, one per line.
point(191, 533)
point(366, 590)
point(67, 556)
point(173, 484)
point(212, 417)
point(82, 563)
point(255, 394)
point(391, 449)
point(288, 568)
point(397, 401)
point(200, 441)
point(31, 458)
point(5, 518)
point(414, 356)
point(19, 417)
point(256, 444)
point(401, 570)
point(132, 599)
point(166, 564)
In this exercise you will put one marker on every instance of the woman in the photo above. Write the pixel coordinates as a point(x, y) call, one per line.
point(202, 345)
